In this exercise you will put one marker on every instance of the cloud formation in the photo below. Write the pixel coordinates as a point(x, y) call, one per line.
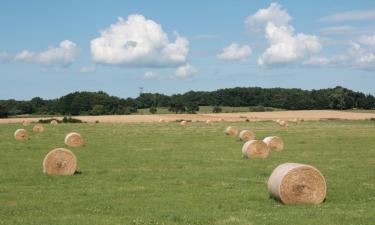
point(185, 71)
point(61, 56)
point(87, 69)
point(285, 46)
point(235, 52)
point(139, 42)
point(354, 15)
point(150, 74)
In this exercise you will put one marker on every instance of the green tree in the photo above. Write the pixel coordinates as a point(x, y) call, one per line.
point(217, 109)
point(153, 109)
point(192, 107)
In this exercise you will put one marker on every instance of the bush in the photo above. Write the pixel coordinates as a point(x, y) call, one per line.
point(192, 107)
point(153, 110)
point(71, 120)
point(49, 120)
point(3, 112)
point(217, 109)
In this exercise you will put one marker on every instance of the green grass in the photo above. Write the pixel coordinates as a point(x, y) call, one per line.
point(165, 174)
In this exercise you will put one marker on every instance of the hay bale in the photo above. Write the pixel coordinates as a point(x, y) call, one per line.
point(283, 123)
point(74, 140)
point(246, 135)
point(278, 121)
point(54, 122)
point(231, 131)
point(38, 128)
point(60, 161)
point(274, 143)
point(208, 122)
point(184, 123)
point(255, 149)
point(26, 123)
point(161, 120)
point(297, 183)
point(21, 134)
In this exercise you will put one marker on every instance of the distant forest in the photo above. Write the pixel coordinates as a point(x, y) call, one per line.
point(100, 103)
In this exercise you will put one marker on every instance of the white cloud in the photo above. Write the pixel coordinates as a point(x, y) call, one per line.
point(339, 30)
point(355, 15)
point(186, 71)
point(63, 56)
point(367, 40)
point(287, 47)
point(235, 52)
point(87, 69)
point(356, 56)
point(274, 13)
point(138, 42)
point(150, 74)
point(4, 57)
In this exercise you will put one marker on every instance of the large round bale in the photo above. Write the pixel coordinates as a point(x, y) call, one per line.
point(60, 161)
point(21, 134)
point(274, 143)
point(184, 123)
point(54, 122)
point(231, 131)
point(283, 123)
point(74, 140)
point(255, 149)
point(208, 122)
point(246, 135)
point(278, 121)
point(26, 123)
point(38, 128)
point(297, 183)
point(161, 121)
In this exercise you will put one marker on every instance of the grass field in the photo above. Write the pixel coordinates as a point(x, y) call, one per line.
point(160, 173)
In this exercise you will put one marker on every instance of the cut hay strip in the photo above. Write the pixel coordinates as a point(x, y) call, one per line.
point(74, 140)
point(231, 131)
point(255, 149)
point(54, 122)
point(274, 143)
point(26, 123)
point(60, 161)
point(38, 128)
point(21, 134)
point(297, 183)
point(208, 122)
point(246, 135)
point(184, 123)
point(283, 123)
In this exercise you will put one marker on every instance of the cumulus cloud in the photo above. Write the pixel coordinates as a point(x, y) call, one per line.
point(367, 40)
point(235, 52)
point(355, 15)
point(357, 56)
point(284, 45)
point(138, 42)
point(274, 13)
point(185, 71)
point(62, 56)
point(87, 69)
point(150, 74)
point(339, 30)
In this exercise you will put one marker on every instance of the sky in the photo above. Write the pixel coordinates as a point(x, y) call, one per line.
point(52, 48)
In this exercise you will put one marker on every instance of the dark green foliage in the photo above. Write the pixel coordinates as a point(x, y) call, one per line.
point(217, 109)
point(71, 120)
point(49, 120)
point(3, 112)
point(177, 107)
point(153, 109)
point(192, 107)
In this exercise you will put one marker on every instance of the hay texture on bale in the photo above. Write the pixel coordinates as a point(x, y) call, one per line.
point(246, 135)
point(74, 140)
point(26, 123)
point(184, 123)
point(283, 123)
point(255, 149)
point(293, 183)
point(54, 122)
point(161, 121)
point(38, 128)
point(274, 143)
point(21, 134)
point(208, 122)
point(60, 161)
point(231, 131)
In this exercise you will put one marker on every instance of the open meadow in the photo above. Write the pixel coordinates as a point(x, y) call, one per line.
point(161, 173)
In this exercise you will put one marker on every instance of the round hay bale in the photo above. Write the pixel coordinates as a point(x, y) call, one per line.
point(208, 122)
point(54, 122)
point(74, 140)
point(246, 135)
point(278, 121)
point(161, 120)
point(297, 183)
point(274, 143)
point(231, 131)
point(183, 123)
point(255, 149)
point(283, 123)
point(21, 134)
point(38, 128)
point(60, 161)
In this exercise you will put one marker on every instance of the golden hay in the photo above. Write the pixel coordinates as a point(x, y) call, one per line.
point(60, 161)
point(208, 122)
point(232, 131)
point(184, 123)
point(246, 135)
point(54, 122)
point(283, 123)
point(26, 123)
point(161, 120)
point(255, 149)
point(297, 183)
point(21, 134)
point(274, 143)
point(38, 128)
point(74, 140)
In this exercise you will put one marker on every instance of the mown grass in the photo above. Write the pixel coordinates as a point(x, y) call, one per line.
point(161, 173)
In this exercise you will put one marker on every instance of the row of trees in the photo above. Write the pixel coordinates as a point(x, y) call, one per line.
point(99, 103)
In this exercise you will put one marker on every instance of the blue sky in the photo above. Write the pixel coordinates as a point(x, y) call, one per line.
point(50, 48)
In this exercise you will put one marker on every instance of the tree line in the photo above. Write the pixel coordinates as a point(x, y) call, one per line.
point(100, 103)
